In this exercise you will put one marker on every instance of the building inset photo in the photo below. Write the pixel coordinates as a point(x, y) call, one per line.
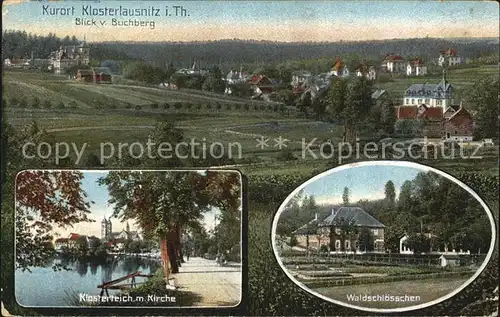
point(383, 236)
point(128, 238)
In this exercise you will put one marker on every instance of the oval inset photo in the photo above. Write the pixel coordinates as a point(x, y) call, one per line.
point(383, 236)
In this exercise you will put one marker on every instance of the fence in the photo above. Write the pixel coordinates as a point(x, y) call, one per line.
point(335, 282)
point(375, 259)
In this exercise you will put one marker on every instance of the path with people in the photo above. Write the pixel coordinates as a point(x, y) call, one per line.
point(213, 284)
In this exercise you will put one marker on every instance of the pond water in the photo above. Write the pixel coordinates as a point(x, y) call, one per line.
point(45, 287)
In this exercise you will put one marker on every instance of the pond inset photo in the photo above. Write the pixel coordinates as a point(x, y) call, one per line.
point(383, 236)
point(128, 238)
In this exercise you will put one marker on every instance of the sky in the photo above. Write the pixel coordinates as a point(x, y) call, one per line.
point(101, 208)
point(286, 21)
point(364, 182)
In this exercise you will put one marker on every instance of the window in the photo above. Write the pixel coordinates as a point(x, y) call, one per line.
point(413, 101)
point(338, 231)
point(419, 101)
point(438, 102)
point(337, 244)
point(456, 132)
point(427, 101)
point(407, 102)
point(347, 244)
point(375, 232)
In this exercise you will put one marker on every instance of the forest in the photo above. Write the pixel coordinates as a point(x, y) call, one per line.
point(428, 205)
point(249, 54)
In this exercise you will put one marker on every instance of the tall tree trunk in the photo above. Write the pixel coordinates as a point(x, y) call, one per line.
point(165, 258)
point(173, 257)
point(178, 236)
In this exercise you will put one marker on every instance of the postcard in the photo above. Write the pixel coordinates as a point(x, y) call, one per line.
point(250, 158)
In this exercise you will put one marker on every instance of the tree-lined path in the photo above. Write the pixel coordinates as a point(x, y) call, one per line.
point(213, 284)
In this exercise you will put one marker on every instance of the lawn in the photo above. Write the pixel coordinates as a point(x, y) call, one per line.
point(428, 290)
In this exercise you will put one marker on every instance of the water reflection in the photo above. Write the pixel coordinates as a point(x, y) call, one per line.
point(45, 287)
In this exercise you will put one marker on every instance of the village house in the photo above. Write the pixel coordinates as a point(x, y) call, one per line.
point(449, 260)
point(431, 118)
point(317, 233)
point(307, 235)
point(416, 67)
point(458, 125)
point(69, 56)
point(261, 85)
point(234, 77)
point(339, 69)
point(17, 63)
point(393, 64)
point(299, 78)
point(432, 95)
point(61, 244)
point(369, 72)
point(99, 75)
point(449, 57)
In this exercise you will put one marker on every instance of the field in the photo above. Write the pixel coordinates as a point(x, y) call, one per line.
point(118, 113)
point(461, 79)
point(427, 290)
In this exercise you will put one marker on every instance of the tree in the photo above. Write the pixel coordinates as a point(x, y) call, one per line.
point(366, 240)
point(349, 101)
point(45, 199)
point(214, 83)
point(163, 203)
point(390, 192)
point(484, 99)
point(345, 196)
point(387, 117)
point(419, 243)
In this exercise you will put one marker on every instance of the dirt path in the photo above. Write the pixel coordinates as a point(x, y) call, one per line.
point(214, 284)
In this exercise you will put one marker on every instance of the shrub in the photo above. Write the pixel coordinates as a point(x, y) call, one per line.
point(60, 105)
point(246, 107)
point(23, 103)
point(286, 155)
point(178, 105)
point(35, 102)
point(188, 106)
point(198, 106)
point(228, 107)
point(237, 106)
point(166, 106)
point(218, 106)
point(14, 101)
point(128, 106)
point(138, 107)
point(154, 106)
point(209, 106)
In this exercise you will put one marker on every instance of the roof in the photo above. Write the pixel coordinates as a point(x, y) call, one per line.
point(452, 108)
point(339, 64)
point(356, 215)
point(309, 228)
point(460, 116)
point(260, 80)
point(449, 52)
point(85, 72)
point(74, 236)
point(393, 58)
point(378, 93)
point(421, 90)
point(406, 112)
point(433, 113)
point(102, 70)
point(416, 62)
point(61, 240)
